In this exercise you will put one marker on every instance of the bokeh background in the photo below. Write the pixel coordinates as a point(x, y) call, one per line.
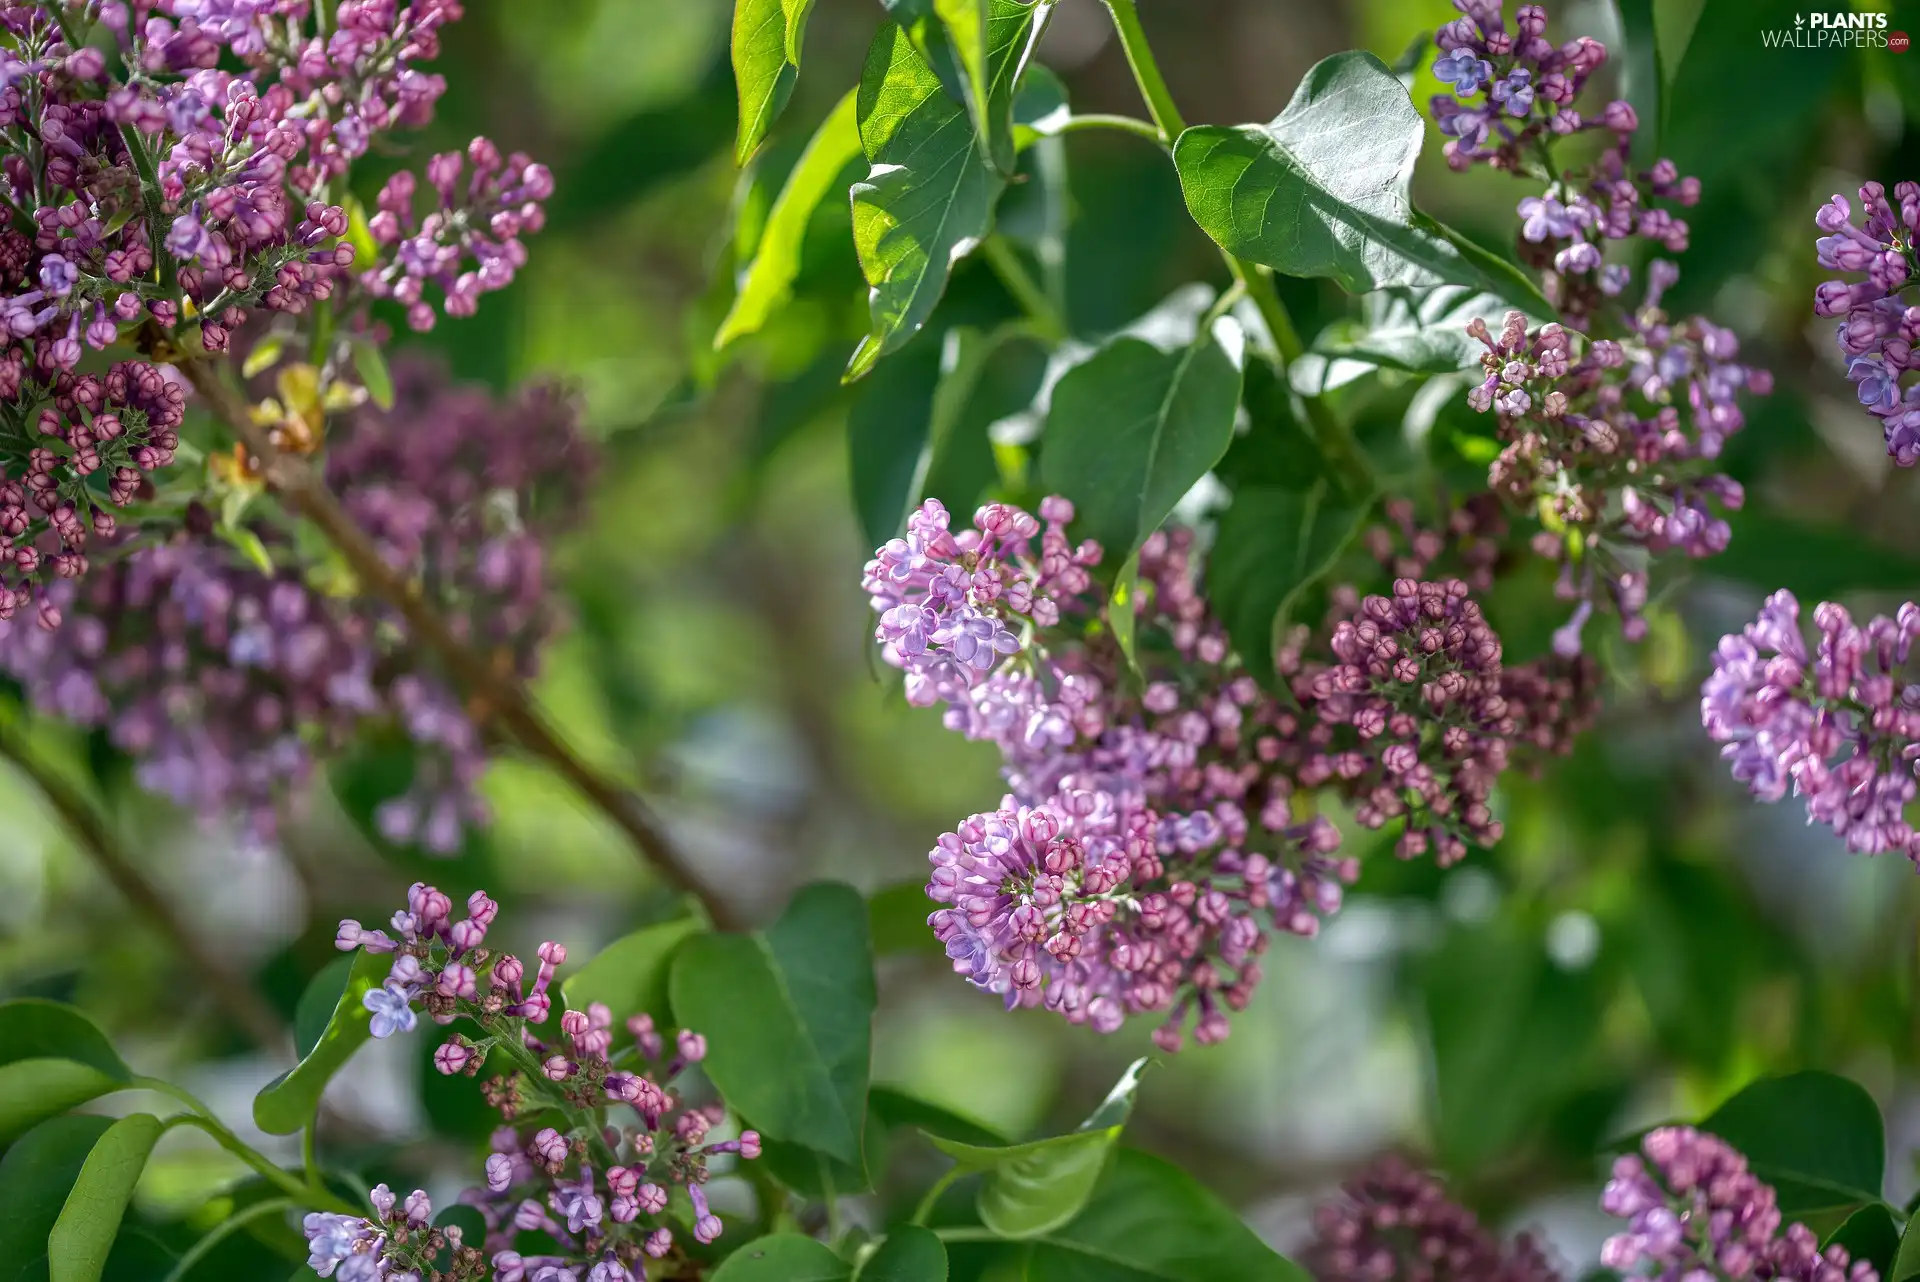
point(1643, 942)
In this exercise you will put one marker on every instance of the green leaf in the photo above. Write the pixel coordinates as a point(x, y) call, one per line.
point(1322, 190)
point(1640, 79)
point(887, 436)
point(83, 1235)
point(1870, 1233)
point(1034, 1188)
point(284, 1105)
point(264, 356)
point(1420, 330)
point(370, 363)
point(767, 36)
point(930, 194)
point(366, 250)
point(1273, 544)
point(891, 1108)
point(630, 974)
point(1817, 1138)
point(1906, 1262)
point(1131, 430)
point(1123, 609)
point(783, 1257)
point(1148, 1221)
point(768, 280)
point(910, 1254)
point(314, 1011)
point(787, 1016)
point(52, 1058)
point(897, 920)
point(35, 1175)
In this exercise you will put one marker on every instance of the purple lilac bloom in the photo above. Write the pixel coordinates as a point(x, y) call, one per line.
point(1694, 1210)
point(1393, 1223)
point(599, 1177)
point(1837, 722)
point(1601, 439)
point(1877, 328)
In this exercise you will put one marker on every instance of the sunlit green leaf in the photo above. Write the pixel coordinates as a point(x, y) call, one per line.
point(767, 36)
point(1322, 190)
point(284, 1105)
point(82, 1238)
point(783, 1257)
point(36, 1174)
point(630, 974)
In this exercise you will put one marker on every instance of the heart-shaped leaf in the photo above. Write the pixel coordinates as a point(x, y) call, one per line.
point(1273, 544)
point(52, 1058)
point(910, 1254)
point(284, 1105)
point(768, 280)
point(630, 975)
point(1039, 1186)
point(82, 1237)
point(929, 196)
point(767, 36)
point(1322, 190)
point(783, 1257)
point(1816, 1137)
point(787, 1016)
point(1132, 429)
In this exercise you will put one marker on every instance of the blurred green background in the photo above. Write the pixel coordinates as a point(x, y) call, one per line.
point(1643, 942)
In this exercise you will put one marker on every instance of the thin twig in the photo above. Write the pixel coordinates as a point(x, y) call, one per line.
point(499, 694)
point(242, 1004)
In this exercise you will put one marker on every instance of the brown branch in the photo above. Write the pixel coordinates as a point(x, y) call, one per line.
point(242, 1004)
point(500, 695)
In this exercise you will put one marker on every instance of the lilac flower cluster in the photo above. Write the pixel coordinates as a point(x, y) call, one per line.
point(90, 447)
point(1598, 449)
point(1530, 88)
point(224, 681)
point(1838, 723)
point(1157, 830)
point(1878, 330)
point(597, 1186)
point(1694, 1210)
point(398, 1244)
point(1393, 1223)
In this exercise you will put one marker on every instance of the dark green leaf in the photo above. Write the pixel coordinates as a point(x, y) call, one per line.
point(786, 1014)
point(35, 1176)
point(783, 1257)
point(1817, 1138)
point(910, 1254)
point(890, 1109)
point(1148, 1221)
point(929, 197)
point(984, 377)
point(630, 974)
point(767, 35)
point(52, 1059)
point(284, 1106)
point(897, 920)
point(1272, 545)
point(1131, 430)
point(887, 437)
point(1034, 1188)
point(1322, 190)
point(768, 280)
point(314, 1011)
point(82, 1238)
point(1870, 1233)
point(1640, 78)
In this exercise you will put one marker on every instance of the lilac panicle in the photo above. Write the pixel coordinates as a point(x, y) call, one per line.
point(1393, 1223)
point(599, 1182)
point(1837, 722)
point(1877, 327)
point(1156, 832)
point(1694, 1210)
